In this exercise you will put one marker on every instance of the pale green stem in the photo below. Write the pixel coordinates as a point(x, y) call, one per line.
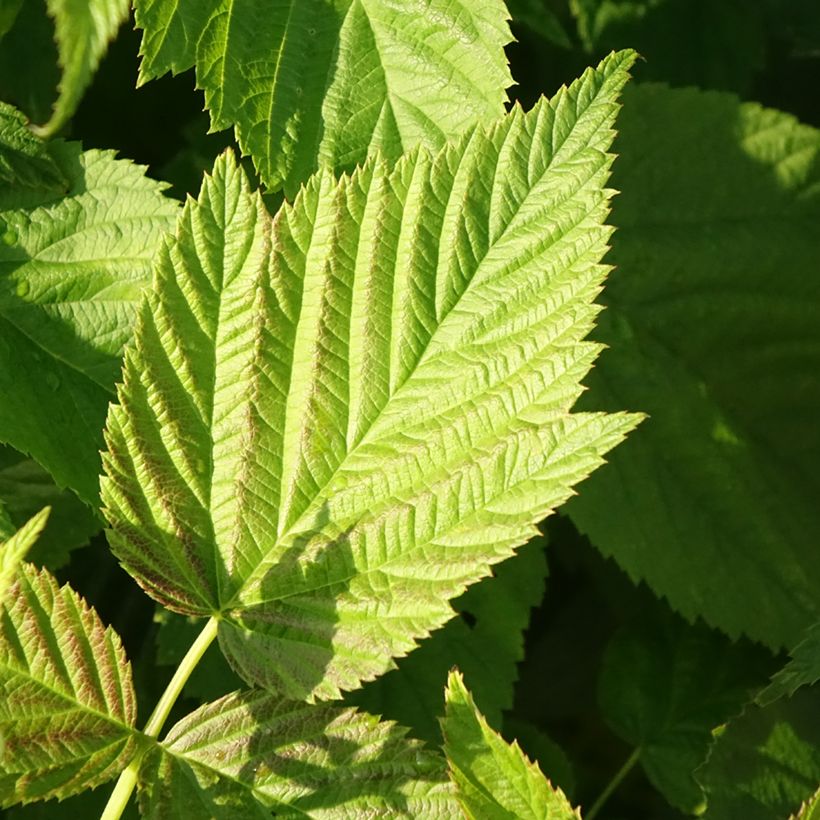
point(613, 784)
point(128, 779)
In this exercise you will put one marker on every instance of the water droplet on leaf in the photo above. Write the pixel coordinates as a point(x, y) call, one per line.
point(23, 287)
point(9, 237)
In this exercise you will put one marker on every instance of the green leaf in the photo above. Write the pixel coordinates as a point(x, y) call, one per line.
point(25, 159)
point(249, 752)
point(82, 29)
point(323, 466)
point(321, 83)
point(6, 524)
point(67, 706)
point(25, 488)
point(486, 642)
point(712, 327)
point(72, 266)
point(810, 810)
point(13, 550)
point(494, 780)
point(665, 685)
point(9, 10)
point(802, 670)
point(767, 762)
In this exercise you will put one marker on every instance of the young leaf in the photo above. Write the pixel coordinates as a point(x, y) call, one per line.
point(332, 423)
point(249, 752)
point(67, 706)
point(72, 265)
point(14, 549)
point(82, 29)
point(810, 810)
point(712, 327)
point(493, 779)
point(765, 763)
point(665, 685)
point(802, 670)
point(486, 642)
point(313, 83)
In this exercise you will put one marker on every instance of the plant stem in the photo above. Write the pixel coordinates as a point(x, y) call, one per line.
point(613, 784)
point(128, 778)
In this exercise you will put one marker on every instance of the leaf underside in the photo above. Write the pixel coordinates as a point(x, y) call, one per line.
point(250, 752)
point(67, 704)
point(77, 233)
point(331, 423)
point(320, 83)
point(494, 779)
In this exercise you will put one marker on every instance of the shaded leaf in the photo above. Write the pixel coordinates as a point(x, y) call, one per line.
point(712, 325)
point(72, 266)
point(802, 670)
point(665, 685)
point(249, 752)
point(320, 83)
point(25, 159)
point(67, 706)
point(766, 763)
point(541, 20)
point(325, 466)
point(25, 488)
point(493, 779)
point(82, 29)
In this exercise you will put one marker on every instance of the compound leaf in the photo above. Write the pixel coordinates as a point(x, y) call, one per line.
point(712, 327)
point(73, 261)
point(494, 779)
point(333, 422)
point(249, 752)
point(766, 763)
point(82, 30)
point(13, 550)
point(67, 706)
point(319, 83)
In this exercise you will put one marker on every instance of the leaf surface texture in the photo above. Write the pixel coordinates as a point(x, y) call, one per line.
point(319, 83)
point(333, 422)
point(67, 704)
point(250, 752)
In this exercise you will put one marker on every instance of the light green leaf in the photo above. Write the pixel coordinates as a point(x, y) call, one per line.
point(82, 30)
point(13, 550)
point(324, 465)
point(486, 642)
point(249, 753)
point(493, 779)
point(72, 266)
point(25, 488)
point(712, 327)
point(320, 83)
point(25, 159)
point(665, 685)
point(67, 706)
point(7, 528)
point(766, 763)
point(810, 810)
point(802, 670)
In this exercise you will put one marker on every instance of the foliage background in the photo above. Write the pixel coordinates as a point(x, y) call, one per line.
point(587, 687)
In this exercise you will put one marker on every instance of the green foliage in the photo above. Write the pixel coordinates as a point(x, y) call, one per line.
point(664, 686)
point(67, 706)
point(265, 464)
point(765, 763)
point(331, 81)
point(351, 397)
point(251, 752)
point(69, 280)
point(714, 305)
point(493, 779)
